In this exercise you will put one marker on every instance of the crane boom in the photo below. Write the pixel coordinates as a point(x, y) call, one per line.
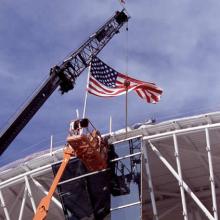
point(64, 76)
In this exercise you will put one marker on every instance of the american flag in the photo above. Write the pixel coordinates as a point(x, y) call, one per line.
point(107, 82)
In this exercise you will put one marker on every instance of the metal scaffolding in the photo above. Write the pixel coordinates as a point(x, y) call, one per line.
point(181, 164)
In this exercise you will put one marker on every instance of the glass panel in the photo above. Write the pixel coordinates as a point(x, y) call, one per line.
point(129, 169)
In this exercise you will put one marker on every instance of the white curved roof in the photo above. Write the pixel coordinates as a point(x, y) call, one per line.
point(192, 141)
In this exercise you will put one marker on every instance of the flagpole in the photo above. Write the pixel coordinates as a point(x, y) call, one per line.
point(126, 109)
point(86, 95)
point(127, 83)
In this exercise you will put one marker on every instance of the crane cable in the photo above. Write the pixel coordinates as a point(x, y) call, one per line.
point(126, 83)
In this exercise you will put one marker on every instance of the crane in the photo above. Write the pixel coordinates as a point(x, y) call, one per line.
point(63, 76)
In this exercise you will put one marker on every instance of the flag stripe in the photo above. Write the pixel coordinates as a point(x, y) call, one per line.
point(98, 88)
point(102, 88)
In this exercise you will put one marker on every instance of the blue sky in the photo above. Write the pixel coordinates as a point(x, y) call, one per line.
point(175, 44)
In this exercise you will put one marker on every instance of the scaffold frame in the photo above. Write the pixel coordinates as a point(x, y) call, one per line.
point(163, 144)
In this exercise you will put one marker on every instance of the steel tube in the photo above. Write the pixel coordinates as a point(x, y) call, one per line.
point(211, 173)
point(23, 203)
point(45, 192)
point(186, 187)
point(95, 172)
point(125, 206)
point(150, 184)
point(7, 217)
point(181, 131)
point(183, 198)
point(30, 194)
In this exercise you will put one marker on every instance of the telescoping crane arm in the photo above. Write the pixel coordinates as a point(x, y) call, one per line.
point(64, 76)
point(43, 207)
point(89, 147)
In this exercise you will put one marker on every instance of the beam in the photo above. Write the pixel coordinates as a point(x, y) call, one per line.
point(150, 184)
point(211, 173)
point(185, 214)
point(20, 178)
point(201, 158)
point(199, 155)
point(180, 132)
point(116, 138)
point(40, 186)
point(189, 141)
point(100, 171)
point(4, 206)
point(23, 203)
point(186, 187)
point(30, 194)
point(125, 206)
